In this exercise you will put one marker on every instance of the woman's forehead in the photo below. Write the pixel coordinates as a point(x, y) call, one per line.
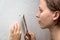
point(42, 4)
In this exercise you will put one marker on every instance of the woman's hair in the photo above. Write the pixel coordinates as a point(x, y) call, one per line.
point(54, 5)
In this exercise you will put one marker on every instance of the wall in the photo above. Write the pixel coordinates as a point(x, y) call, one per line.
point(10, 11)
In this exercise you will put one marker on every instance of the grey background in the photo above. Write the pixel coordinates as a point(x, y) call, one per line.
point(10, 11)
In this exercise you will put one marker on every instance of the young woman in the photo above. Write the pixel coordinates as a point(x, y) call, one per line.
point(48, 17)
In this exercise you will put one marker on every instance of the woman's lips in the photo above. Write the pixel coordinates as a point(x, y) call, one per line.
point(39, 21)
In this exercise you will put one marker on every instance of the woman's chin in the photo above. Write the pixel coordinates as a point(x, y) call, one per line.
point(42, 27)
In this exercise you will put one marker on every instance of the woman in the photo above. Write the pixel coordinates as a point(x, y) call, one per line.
point(48, 17)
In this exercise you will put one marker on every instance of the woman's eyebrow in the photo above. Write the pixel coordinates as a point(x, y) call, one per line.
point(40, 8)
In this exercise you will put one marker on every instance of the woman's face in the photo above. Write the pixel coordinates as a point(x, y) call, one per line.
point(44, 15)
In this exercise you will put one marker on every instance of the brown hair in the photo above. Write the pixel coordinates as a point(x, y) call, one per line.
point(54, 5)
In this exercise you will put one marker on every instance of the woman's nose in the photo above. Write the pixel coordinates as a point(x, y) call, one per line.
point(38, 14)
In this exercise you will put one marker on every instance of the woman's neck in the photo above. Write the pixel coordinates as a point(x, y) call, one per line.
point(55, 32)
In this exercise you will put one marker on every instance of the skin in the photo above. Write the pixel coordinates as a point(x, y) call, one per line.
point(44, 15)
point(46, 19)
point(15, 33)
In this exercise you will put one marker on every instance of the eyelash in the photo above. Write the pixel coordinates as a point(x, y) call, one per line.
point(40, 10)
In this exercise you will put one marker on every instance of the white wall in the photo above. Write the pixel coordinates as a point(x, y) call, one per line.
point(9, 13)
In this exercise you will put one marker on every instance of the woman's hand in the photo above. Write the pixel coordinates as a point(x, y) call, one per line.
point(30, 36)
point(15, 32)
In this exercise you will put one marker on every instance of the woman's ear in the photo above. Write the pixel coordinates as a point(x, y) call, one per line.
point(56, 15)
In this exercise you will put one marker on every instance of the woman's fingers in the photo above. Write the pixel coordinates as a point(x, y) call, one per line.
point(15, 33)
point(18, 27)
point(30, 36)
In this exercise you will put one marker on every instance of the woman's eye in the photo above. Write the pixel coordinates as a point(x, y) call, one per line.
point(40, 10)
